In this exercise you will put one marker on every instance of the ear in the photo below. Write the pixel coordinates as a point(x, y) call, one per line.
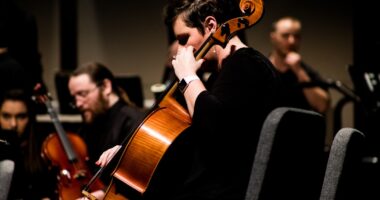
point(107, 87)
point(272, 36)
point(210, 24)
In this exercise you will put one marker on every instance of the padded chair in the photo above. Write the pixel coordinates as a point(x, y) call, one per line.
point(6, 173)
point(290, 160)
point(342, 177)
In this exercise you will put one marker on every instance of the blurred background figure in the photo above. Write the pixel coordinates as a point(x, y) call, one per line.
point(32, 178)
point(303, 87)
point(19, 42)
point(12, 73)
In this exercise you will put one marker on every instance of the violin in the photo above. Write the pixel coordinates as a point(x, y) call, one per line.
point(68, 153)
point(167, 119)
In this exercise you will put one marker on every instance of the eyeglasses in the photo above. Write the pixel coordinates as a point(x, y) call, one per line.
point(82, 94)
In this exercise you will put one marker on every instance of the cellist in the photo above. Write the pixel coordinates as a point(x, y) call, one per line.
point(219, 149)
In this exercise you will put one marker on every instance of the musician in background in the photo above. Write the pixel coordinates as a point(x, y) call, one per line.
point(21, 30)
point(108, 117)
point(243, 83)
point(12, 73)
point(302, 86)
point(19, 35)
point(32, 179)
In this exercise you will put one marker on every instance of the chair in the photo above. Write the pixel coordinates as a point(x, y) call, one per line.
point(132, 85)
point(342, 178)
point(6, 173)
point(289, 161)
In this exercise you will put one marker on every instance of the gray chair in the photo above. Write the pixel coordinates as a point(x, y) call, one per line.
point(6, 173)
point(290, 160)
point(342, 176)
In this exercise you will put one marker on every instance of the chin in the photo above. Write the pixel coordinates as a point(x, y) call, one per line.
point(87, 117)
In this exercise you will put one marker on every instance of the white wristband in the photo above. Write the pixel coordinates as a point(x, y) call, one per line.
point(184, 83)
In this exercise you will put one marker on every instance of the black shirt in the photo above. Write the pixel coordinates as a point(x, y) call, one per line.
point(292, 91)
point(109, 130)
point(222, 139)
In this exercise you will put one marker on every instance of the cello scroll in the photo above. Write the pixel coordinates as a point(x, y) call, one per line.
point(252, 11)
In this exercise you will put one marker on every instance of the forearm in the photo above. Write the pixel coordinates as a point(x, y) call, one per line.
point(191, 94)
point(318, 98)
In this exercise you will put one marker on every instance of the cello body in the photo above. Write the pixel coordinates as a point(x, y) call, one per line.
point(149, 143)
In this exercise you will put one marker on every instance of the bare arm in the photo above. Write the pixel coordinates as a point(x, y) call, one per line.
point(185, 65)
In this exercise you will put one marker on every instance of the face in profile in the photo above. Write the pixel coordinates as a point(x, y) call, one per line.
point(191, 36)
point(87, 97)
point(14, 116)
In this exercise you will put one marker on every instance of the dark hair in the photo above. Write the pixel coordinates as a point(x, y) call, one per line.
point(20, 95)
point(196, 11)
point(32, 159)
point(97, 73)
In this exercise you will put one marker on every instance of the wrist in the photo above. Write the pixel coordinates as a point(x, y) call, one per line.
point(185, 81)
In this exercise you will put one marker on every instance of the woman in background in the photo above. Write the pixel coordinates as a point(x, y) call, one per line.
point(32, 179)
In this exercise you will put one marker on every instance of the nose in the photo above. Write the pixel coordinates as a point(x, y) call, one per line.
point(291, 39)
point(13, 123)
point(78, 103)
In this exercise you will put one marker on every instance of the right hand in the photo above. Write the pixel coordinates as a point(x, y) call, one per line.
point(106, 156)
point(293, 60)
point(185, 63)
point(98, 194)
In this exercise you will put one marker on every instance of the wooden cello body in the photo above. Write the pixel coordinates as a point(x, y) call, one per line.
point(149, 143)
point(168, 119)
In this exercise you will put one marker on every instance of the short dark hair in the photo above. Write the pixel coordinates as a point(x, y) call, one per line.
point(196, 11)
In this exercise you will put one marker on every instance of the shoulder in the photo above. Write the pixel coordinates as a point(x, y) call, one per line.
point(312, 72)
point(251, 60)
point(129, 111)
point(249, 54)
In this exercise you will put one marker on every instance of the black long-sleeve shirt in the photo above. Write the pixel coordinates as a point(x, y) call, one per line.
point(219, 147)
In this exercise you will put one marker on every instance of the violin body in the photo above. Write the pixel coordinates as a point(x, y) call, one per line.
point(73, 175)
point(68, 153)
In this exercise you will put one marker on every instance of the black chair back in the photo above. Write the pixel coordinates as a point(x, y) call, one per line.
point(289, 162)
point(342, 176)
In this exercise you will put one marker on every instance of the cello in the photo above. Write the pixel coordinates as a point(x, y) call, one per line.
point(168, 119)
point(67, 152)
